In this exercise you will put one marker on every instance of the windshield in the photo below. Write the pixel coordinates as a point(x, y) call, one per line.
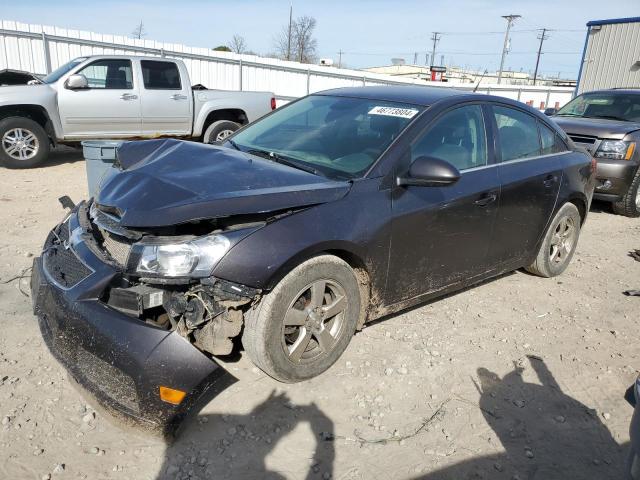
point(338, 137)
point(60, 71)
point(614, 106)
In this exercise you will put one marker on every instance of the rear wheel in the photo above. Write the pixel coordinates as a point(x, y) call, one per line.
point(305, 323)
point(559, 244)
point(629, 206)
point(219, 131)
point(23, 143)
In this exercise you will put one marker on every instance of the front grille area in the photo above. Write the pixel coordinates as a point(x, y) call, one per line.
point(583, 139)
point(108, 379)
point(60, 261)
point(117, 247)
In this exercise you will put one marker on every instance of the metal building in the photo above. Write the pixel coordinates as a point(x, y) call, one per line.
point(611, 55)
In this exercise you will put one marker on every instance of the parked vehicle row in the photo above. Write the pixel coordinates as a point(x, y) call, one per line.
point(337, 209)
point(117, 97)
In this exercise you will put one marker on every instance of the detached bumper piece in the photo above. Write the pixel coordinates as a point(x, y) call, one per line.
point(633, 396)
point(143, 374)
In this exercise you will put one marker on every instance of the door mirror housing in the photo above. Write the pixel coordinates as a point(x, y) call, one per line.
point(429, 172)
point(550, 111)
point(76, 82)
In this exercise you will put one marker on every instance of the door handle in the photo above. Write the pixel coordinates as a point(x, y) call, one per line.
point(128, 96)
point(178, 96)
point(550, 181)
point(486, 199)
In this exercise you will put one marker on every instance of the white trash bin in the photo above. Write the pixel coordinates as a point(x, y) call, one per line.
point(99, 155)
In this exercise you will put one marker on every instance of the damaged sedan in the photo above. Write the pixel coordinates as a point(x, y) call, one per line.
point(340, 208)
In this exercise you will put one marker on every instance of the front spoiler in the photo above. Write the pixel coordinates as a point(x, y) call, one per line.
point(120, 360)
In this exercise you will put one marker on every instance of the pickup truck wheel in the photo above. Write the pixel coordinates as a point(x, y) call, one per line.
point(559, 243)
point(23, 143)
point(219, 131)
point(629, 206)
point(300, 328)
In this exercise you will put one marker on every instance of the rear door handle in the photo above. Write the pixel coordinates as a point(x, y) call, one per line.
point(486, 199)
point(128, 96)
point(178, 96)
point(550, 181)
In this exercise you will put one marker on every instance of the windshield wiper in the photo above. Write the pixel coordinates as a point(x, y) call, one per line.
point(608, 117)
point(568, 115)
point(234, 144)
point(283, 160)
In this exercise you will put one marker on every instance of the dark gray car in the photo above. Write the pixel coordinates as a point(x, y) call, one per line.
point(607, 124)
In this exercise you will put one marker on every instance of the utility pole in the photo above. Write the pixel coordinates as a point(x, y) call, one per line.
point(415, 58)
point(542, 38)
point(435, 38)
point(340, 58)
point(510, 19)
point(289, 36)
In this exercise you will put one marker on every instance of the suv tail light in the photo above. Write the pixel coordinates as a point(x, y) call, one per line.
point(594, 165)
point(273, 103)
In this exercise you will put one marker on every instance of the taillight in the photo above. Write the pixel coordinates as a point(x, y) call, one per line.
point(273, 103)
point(594, 165)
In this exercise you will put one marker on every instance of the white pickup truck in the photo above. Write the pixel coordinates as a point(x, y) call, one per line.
point(113, 97)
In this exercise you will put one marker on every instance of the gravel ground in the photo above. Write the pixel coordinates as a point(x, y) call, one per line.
point(519, 378)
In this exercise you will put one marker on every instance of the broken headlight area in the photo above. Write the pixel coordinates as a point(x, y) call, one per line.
point(209, 314)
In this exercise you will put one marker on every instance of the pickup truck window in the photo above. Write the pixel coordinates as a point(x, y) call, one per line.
point(109, 74)
point(60, 71)
point(160, 75)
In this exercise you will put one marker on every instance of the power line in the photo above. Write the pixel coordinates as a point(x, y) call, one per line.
point(510, 19)
point(543, 36)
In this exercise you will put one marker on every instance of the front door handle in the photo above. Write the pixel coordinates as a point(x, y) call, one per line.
point(550, 181)
point(128, 96)
point(178, 96)
point(486, 199)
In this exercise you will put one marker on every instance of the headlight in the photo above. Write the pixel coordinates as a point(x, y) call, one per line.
point(615, 149)
point(189, 259)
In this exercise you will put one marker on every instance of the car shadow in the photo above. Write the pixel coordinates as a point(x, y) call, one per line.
point(546, 434)
point(237, 446)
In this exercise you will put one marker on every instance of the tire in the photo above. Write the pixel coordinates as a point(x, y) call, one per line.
point(23, 143)
point(629, 206)
point(559, 243)
point(304, 296)
point(218, 131)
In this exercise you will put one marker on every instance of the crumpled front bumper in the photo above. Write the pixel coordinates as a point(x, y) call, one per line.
point(120, 360)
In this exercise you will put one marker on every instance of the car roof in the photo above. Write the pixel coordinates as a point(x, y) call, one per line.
point(617, 91)
point(412, 94)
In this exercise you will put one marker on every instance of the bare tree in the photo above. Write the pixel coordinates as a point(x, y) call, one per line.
point(139, 31)
point(297, 43)
point(238, 44)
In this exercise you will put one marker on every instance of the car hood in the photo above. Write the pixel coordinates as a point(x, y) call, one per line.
point(23, 93)
point(596, 127)
point(169, 182)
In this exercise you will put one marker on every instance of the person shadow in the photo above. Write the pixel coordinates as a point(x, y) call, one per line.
point(210, 446)
point(546, 433)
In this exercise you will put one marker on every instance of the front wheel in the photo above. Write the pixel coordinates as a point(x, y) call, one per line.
point(300, 328)
point(219, 131)
point(23, 143)
point(629, 206)
point(559, 243)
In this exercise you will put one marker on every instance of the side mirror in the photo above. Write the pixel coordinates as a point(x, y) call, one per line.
point(76, 82)
point(550, 111)
point(429, 172)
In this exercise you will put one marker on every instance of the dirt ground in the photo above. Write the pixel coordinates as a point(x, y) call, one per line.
point(519, 378)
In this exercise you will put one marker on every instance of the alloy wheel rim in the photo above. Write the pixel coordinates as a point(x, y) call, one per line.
point(638, 198)
point(562, 240)
point(20, 144)
point(223, 135)
point(314, 321)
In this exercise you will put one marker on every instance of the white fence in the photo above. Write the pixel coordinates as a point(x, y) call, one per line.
point(41, 49)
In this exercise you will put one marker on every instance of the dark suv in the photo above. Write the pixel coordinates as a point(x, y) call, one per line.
point(607, 124)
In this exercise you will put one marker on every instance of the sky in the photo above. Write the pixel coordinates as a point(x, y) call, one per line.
point(369, 33)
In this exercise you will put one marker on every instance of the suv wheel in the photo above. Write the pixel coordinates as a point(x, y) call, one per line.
point(559, 243)
point(300, 328)
point(219, 131)
point(629, 206)
point(23, 143)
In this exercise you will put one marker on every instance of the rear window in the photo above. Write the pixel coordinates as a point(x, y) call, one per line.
point(517, 134)
point(551, 142)
point(158, 75)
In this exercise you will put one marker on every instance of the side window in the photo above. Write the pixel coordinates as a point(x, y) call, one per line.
point(458, 137)
point(160, 75)
point(551, 142)
point(517, 134)
point(109, 74)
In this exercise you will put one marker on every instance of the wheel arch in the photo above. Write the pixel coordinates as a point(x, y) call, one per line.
point(236, 115)
point(581, 204)
point(37, 113)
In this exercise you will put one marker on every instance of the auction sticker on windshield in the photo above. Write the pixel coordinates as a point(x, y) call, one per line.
point(394, 112)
